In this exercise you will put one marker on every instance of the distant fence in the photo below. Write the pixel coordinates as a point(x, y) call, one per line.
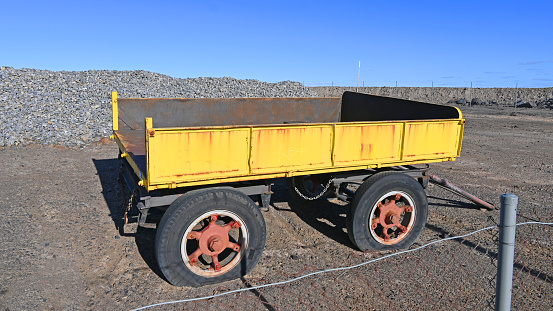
point(455, 273)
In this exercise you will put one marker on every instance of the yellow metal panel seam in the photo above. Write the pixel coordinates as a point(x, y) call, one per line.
point(333, 145)
point(115, 111)
point(460, 135)
point(402, 140)
point(250, 150)
point(149, 140)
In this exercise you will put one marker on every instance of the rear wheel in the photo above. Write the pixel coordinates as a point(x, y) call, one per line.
point(210, 237)
point(389, 211)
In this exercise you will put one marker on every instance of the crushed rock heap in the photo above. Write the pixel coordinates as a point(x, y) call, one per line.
point(72, 108)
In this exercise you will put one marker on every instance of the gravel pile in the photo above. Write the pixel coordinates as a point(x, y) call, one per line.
point(72, 108)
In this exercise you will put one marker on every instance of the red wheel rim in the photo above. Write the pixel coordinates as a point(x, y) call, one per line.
point(392, 218)
point(214, 243)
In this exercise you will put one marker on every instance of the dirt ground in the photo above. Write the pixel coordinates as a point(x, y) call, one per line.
point(60, 248)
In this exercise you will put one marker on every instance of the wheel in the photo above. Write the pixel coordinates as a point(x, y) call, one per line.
point(210, 236)
point(309, 187)
point(388, 211)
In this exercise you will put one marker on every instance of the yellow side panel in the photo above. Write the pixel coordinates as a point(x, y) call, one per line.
point(291, 148)
point(190, 155)
point(367, 143)
point(431, 140)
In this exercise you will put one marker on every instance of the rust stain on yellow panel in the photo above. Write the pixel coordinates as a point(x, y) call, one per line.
point(431, 140)
point(290, 148)
point(187, 155)
point(367, 143)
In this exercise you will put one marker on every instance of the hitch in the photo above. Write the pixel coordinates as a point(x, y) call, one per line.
point(445, 184)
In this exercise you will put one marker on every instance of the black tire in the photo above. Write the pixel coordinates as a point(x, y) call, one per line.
point(309, 188)
point(368, 228)
point(188, 238)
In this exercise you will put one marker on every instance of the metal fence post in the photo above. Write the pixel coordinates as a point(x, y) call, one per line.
point(506, 257)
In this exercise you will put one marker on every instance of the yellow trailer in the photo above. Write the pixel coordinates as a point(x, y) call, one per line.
point(204, 158)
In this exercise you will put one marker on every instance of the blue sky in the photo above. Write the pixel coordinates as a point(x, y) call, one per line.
point(416, 43)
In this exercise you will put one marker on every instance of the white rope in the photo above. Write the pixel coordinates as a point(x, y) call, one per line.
point(334, 269)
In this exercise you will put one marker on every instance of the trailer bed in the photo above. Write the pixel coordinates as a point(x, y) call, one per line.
point(173, 143)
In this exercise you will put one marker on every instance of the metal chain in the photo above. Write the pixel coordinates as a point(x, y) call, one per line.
point(317, 196)
point(126, 207)
point(129, 206)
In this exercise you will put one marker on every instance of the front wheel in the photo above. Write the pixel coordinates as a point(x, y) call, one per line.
point(389, 211)
point(210, 237)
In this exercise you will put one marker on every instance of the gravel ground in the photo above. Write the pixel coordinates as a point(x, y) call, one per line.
point(60, 248)
point(72, 108)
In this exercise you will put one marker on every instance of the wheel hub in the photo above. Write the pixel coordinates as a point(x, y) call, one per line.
point(215, 244)
point(393, 218)
point(213, 240)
